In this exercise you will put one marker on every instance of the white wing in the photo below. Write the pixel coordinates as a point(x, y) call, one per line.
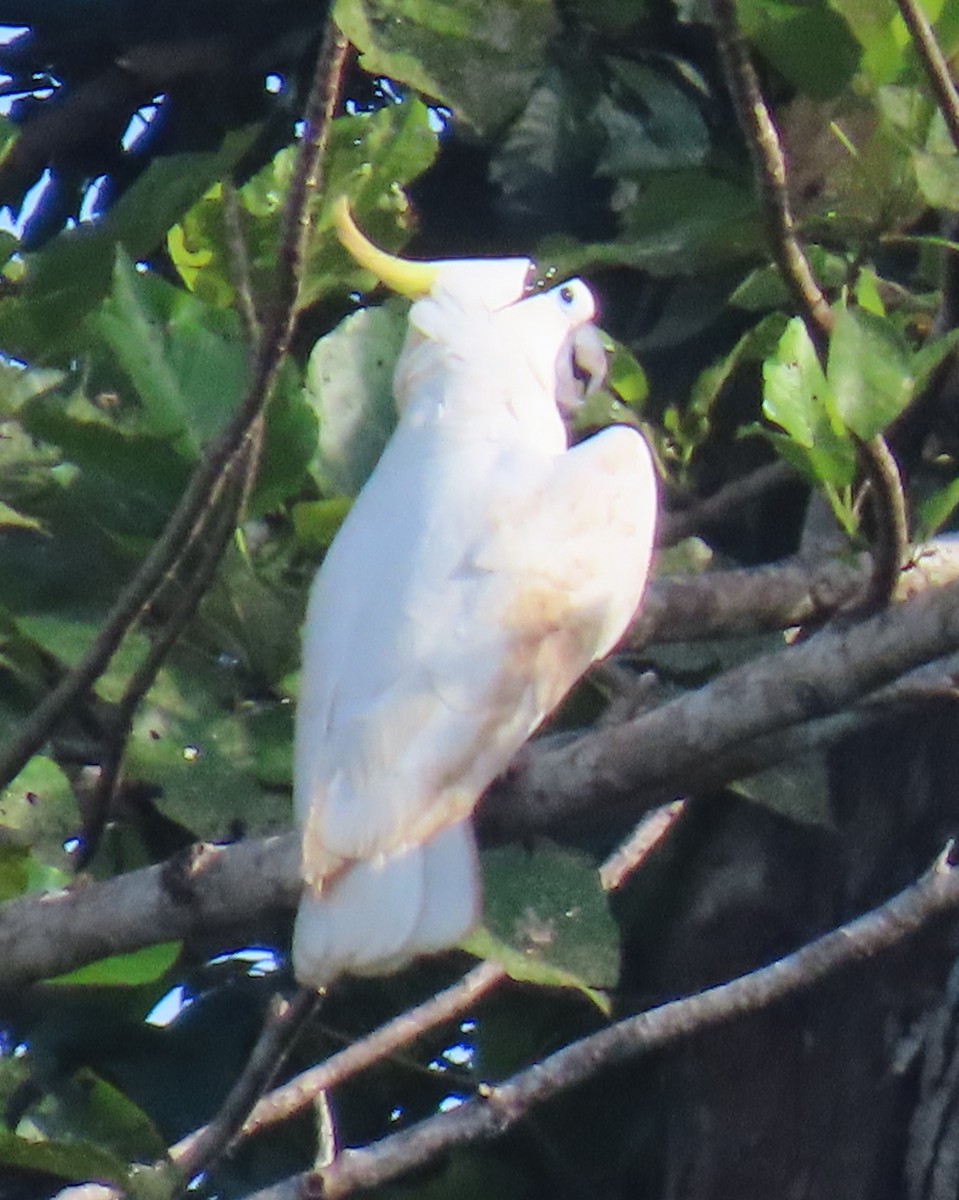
point(469, 589)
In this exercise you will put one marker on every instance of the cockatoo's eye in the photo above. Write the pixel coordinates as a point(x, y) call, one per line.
point(575, 301)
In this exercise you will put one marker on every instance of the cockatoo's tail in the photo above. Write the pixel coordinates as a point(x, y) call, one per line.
point(482, 568)
point(412, 279)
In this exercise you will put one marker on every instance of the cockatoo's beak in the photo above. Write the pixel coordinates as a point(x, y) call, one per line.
point(408, 278)
point(581, 368)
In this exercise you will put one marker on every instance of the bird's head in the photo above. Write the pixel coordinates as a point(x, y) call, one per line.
point(487, 311)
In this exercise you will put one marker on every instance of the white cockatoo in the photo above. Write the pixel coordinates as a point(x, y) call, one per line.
point(483, 567)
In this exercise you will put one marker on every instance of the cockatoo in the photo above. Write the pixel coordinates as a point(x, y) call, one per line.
point(483, 567)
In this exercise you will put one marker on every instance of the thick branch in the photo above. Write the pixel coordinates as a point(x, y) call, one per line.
point(750, 718)
point(663, 752)
point(797, 591)
point(740, 602)
point(206, 888)
point(499, 1108)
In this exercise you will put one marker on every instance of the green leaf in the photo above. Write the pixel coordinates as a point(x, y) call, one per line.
point(371, 156)
point(798, 398)
point(810, 45)
point(87, 1109)
point(39, 806)
point(316, 522)
point(548, 905)
point(871, 23)
point(289, 438)
point(69, 277)
point(70, 1160)
point(678, 223)
point(187, 361)
point(797, 788)
point(20, 384)
point(625, 376)
point(523, 969)
point(453, 52)
point(349, 381)
point(795, 392)
point(128, 481)
point(125, 970)
point(204, 750)
point(14, 870)
point(11, 519)
point(868, 370)
point(930, 356)
point(938, 179)
point(650, 120)
point(763, 288)
point(936, 510)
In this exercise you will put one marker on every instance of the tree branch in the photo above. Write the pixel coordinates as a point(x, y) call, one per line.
point(677, 747)
point(807, 695)
point(205, 888)
point(498, 1108)
point(283, 1023)
point(797, 591)
point(769, 165)
point(218, 530)
point(298, 1093)
point(934, 64)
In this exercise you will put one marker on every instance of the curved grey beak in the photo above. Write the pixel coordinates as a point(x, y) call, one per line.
point(580, 367)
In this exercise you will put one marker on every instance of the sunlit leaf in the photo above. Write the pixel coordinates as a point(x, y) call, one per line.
point(39, 807)
point(188, 363)
point(316, 522)
point(125, 970)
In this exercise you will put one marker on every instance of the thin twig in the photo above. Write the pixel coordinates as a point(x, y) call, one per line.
point(217, 458)
point(240, 272)
point(630, 854)
point(891, 538)
point(498, 1108)
point(284, 1021)
point(723, 504)
point(298, 1093)
point(769, 165)
point(934, 64)
point(215, 538)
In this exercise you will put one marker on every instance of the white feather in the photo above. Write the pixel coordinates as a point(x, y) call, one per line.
point(386, 910)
